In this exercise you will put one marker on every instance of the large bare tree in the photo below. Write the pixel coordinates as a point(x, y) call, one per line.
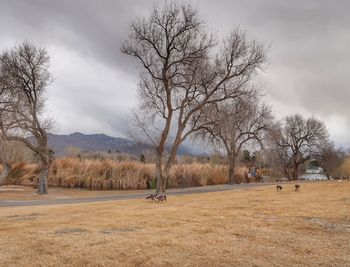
point(24, 77)
point(183, 70)
point(297, 141)
point(236, 122)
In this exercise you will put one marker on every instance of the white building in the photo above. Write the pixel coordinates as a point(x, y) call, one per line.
point(314, 170)
point(313, 173)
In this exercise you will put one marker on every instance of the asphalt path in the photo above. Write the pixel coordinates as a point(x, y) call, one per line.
point(170, 192)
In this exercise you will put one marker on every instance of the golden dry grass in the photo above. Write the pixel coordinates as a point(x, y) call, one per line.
point(100, 174)
point(113, 175)
point(345, 168)
point(256, 227)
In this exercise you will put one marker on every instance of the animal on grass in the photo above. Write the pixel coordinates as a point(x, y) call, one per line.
point(152, 196)
point(297, 187)
point(279, 187)
point(160, 199)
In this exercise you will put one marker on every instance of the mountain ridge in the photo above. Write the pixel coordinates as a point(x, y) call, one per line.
point(100, 142)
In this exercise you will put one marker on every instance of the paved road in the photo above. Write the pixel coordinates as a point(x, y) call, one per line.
point(170, 192)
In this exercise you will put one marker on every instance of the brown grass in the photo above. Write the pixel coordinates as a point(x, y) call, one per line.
point(256, 227)
point(345, 168)
point(197, 174)
point(100, 174)
point(114, 175)
point(22, 174)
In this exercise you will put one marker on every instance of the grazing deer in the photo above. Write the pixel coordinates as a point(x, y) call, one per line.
point(297, 187)
point(160, 199)
point(279, 188)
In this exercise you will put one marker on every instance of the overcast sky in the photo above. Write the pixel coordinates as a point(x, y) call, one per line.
point(95, 85)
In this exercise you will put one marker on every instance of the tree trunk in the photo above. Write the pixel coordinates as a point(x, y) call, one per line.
point(166, 173)
point(295, 171)
point(231, 171)
point(43, 177)
point(5, 171)
point(287, 173)
point(231, 174)
point(159, 174)
point(43, 181)
point(162, 185)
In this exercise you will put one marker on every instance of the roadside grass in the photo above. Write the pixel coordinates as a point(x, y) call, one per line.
point(73, 172)
point(251, 227)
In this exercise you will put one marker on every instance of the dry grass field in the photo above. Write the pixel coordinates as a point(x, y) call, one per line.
point(255, 227)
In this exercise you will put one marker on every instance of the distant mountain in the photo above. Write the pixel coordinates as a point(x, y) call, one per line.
point(100, 142)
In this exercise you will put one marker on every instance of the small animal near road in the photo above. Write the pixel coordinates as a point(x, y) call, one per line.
point(160, 199)
point(297, 188)
point(279, 188)
point(152, 197)
point(156, 198)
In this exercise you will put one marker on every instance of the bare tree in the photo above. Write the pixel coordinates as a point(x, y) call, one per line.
point(24, 77)
point(297, 141)
point(4, 105)
point(234, 123)
point(4, 161)
point(180, 74)
point(330, 159)
point(279, 153)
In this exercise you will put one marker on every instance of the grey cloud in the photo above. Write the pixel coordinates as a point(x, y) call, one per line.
point(309, 55)
point(94, 28)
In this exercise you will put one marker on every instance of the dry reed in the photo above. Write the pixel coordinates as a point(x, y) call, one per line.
point(109, 174)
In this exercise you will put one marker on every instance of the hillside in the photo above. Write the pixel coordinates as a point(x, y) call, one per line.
point(99, 142)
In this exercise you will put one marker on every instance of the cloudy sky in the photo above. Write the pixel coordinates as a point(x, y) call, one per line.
point(95, 85)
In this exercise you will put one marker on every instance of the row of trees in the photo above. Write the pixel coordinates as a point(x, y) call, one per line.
point(191, 85)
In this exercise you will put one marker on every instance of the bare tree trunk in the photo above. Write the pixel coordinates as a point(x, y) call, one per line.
point(328, 176)
point(46, 161)
point(44, 172)
point(42, 190)
point(295, 171)
point(5, 171)
point(172, 156)
point(231, 170)
point(287, 173)
point(168, 165)
point(159, 173)
point(231, 174)
point(162, 184)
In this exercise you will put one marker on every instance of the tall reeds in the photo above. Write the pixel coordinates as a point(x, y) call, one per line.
point(109, 174)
